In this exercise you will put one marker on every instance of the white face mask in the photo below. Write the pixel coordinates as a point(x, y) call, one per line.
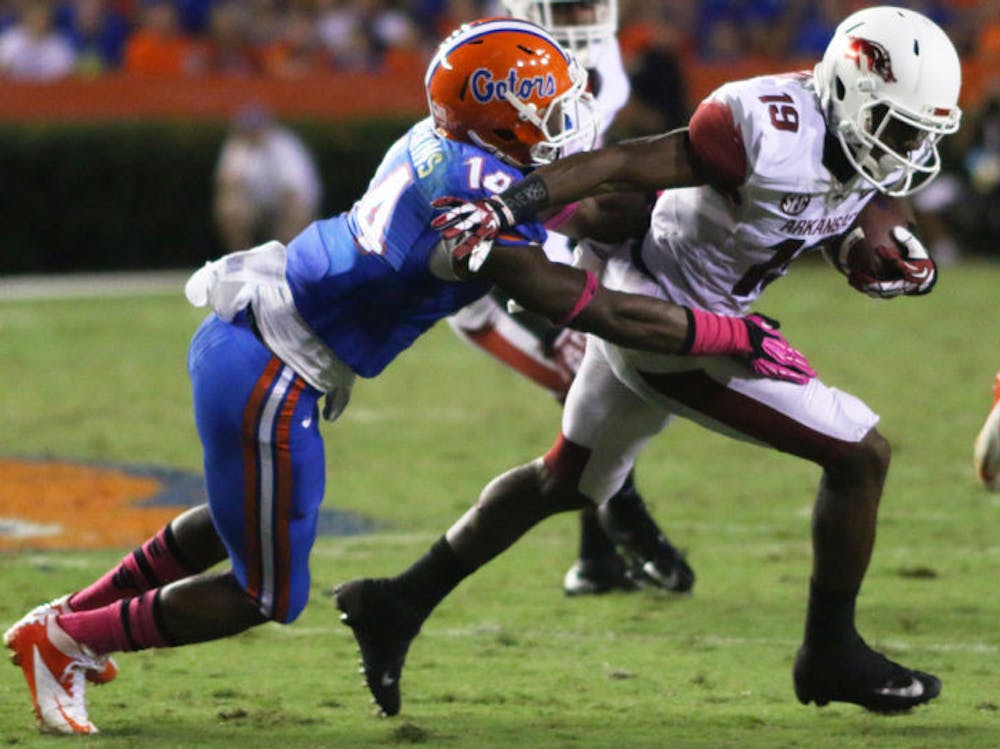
point(894, 150)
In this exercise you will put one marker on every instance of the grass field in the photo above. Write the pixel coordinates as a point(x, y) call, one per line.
point(507, 660)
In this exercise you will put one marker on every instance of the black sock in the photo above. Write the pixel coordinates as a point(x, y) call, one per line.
point(830, 618)
point(432, 577)
point(594, 542)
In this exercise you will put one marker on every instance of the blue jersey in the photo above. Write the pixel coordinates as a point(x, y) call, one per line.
point(361, 280)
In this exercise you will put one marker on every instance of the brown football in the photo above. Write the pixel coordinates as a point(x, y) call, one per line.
point(876, 220)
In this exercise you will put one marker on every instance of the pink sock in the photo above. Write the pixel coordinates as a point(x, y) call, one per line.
point(154, 564)
point(130, 624)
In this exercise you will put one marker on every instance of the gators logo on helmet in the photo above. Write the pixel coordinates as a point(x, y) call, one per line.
point(507, 86)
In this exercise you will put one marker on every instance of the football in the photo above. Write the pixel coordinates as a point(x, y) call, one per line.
point(857, 249)
point(986, 453)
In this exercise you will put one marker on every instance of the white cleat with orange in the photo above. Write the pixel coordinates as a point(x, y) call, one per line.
point(55, 666)
point(107, 668)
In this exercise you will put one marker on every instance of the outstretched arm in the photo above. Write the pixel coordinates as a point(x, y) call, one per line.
point(656, 162)
point(572, 297)
point(555, 291)
point(709, 151)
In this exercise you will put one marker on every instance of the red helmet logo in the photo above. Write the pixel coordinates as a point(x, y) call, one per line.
point(874, 53)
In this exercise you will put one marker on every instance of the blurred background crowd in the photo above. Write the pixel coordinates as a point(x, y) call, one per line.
point(664, 43)
point(48, 39)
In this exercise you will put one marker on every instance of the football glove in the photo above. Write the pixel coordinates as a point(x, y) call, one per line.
point(914, 273)
point(771, 355)
point(472, 226)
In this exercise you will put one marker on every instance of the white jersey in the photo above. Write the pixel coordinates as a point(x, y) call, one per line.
point(267, 167)
point(717, 248)
point(24, 56)
point(612, 86)
point(610, 81)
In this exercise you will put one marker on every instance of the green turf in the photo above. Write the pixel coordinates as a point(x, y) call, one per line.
point(508, 660)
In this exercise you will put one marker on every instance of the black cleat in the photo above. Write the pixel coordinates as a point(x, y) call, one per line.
point(669, 571)
point(598, 575)
point(384, 626)
point(862, 676)
point(654, 560)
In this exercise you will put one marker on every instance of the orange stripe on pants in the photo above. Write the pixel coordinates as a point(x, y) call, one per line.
point(283, 454)
point(251, 499)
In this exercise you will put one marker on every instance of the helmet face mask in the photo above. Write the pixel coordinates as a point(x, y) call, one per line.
point(888, 85)
point(581, 26)
point(507, 86)
point(892, 148)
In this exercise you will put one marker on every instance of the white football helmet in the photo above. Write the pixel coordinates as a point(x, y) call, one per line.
point(888, 84)
point(581, 26)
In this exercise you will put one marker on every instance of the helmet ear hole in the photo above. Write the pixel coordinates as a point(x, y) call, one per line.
point(841, 91)
point(505, 134)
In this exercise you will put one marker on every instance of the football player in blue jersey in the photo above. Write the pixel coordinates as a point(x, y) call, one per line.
point(293, 324)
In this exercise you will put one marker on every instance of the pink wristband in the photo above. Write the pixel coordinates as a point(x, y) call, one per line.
point(717, 334)
point(586, 296)
point(563, 215)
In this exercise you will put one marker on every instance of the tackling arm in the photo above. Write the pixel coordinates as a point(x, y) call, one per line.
point(656, 162)
point(555, 290)
point(709, 151)
point(573, 297)
point(643, 164)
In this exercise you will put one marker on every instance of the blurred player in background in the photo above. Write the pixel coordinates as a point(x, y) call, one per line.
point(986, 449)
point(550, 355)
point(32, 49)
point(345, 297)
point(768, 168)
point(266, 182)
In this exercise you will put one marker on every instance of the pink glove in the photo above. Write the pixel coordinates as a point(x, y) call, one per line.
point(772, 356)
point(756, 337)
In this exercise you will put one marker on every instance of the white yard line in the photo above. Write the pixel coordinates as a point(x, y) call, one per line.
point(492, 629)
point(81, 285)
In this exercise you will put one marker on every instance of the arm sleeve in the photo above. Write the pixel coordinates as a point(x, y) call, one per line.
point(717, 143)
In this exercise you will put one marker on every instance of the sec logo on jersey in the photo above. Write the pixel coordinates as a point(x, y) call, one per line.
point(794, 203)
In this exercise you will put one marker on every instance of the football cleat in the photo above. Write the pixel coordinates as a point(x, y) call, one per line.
point(986, 451)
point(862, 676)
point(669, 572)
point(598, 575)
point(654, 561)
point(107, 668)
point(55, 666)
point(384, 626)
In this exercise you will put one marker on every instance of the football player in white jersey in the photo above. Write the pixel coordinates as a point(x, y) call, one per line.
point(767, 169)
point(550, 356)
